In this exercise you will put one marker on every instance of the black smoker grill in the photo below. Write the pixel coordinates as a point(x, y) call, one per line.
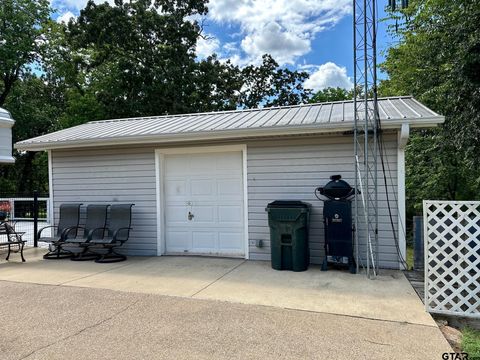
point(337, 217)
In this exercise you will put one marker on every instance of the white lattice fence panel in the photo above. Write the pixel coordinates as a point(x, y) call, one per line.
point(452, 257)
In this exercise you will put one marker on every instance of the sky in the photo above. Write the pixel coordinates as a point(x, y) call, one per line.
point(309, 35)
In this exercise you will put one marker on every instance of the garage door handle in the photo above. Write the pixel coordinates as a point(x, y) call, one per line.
point(190, 216)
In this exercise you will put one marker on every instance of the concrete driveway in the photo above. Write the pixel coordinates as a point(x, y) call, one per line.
point(214, 308)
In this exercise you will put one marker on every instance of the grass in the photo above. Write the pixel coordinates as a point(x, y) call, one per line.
point(409, 258)
point(471, 343)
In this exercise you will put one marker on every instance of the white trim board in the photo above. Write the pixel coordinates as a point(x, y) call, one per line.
point(403, 136)
point(160, 189)
point(50, 187)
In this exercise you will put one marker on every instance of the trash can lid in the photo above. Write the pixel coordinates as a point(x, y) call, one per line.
point(288, 204)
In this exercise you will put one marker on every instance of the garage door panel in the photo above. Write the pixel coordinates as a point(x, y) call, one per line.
point(178, 241)
point(209, 186)
point(204, 241)
point(202, 164)
point(177, 164)
point(203, 214)
point(229, 161)
point(202, 187)
point(176, 187)
point(175, 214)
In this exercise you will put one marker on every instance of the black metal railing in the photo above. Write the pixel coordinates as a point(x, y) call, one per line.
point(27, 213)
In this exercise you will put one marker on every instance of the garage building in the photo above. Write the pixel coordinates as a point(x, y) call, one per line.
point(200, 182)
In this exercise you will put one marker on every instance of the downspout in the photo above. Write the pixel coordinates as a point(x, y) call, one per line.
point(403, 136)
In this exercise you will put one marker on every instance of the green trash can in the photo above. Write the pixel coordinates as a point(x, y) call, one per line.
point(288, 222)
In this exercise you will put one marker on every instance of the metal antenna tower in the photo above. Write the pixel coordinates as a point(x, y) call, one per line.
point(366, 126)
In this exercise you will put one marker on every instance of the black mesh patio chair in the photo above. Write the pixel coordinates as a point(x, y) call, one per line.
point(118, 233)
point(69, 217)
point(94, 229)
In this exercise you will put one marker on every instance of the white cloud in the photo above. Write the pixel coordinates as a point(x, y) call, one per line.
point(328, 75)
point(283, 28)
point(207, 46)
point(75, 5)
point(230, 47)
point(65, 17)
point(284, 46)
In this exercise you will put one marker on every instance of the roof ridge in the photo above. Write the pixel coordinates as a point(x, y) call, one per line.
point(155, 117)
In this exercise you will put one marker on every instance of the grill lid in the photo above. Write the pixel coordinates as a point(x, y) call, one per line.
point(336, 189)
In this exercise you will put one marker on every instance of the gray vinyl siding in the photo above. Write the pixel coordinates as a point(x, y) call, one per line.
point(106, 176)
point(282, 168)
point(292, 169)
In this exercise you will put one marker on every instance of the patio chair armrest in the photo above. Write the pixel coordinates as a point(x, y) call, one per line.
point(12, 233)
point(92, 231)
point(116, 232)
point(66, 232)
point(39, 233)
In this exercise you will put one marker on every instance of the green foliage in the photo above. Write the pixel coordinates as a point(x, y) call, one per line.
point(270, 86)
point(410, 257)
point(134, 59)
point(131, 58)
point(215, 87)
point(471, 343)
point(435, 171)
point(332, 94)
point(80, 108)
point(437, 60)
point(36, 105)
point(21, 29)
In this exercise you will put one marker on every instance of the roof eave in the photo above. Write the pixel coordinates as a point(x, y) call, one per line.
point(224, 134)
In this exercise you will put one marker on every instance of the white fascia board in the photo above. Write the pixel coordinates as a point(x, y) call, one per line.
point(403, 136)
point(6, 123)
point(7, 160)
point(219, 135)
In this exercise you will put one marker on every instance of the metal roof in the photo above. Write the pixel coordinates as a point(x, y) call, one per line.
point(286, 120)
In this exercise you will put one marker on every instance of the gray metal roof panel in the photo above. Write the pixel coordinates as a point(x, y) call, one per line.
point(324, 114)
point(308, 116)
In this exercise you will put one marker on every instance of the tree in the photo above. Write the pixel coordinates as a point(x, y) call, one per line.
point(130, 58)
point(331, 94)
point(22, 24)
point(35, 105)
point(216, 86)
point(135, 58)
point(269, 85)
point(437, 60)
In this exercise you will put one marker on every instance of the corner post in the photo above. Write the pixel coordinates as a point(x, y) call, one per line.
point(35, 218)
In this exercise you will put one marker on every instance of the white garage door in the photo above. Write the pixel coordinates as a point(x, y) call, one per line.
point(204, 204)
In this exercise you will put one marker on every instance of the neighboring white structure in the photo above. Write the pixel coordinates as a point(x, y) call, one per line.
point(201, 182)
point(6, 124)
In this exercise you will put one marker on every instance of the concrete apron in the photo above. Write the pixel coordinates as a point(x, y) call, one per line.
point(389, 297)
